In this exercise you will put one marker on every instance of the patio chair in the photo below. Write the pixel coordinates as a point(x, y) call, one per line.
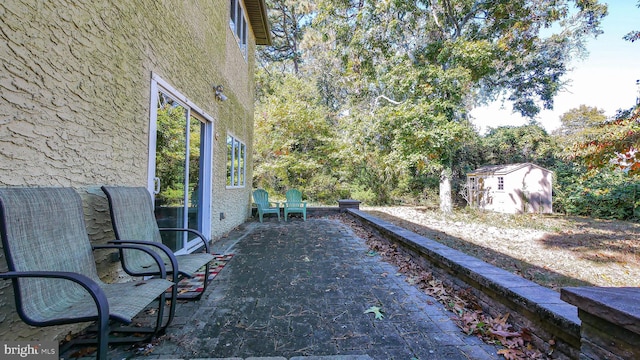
point(294, 204)
point(53, 270)
point(261, 198)
point(133, 220)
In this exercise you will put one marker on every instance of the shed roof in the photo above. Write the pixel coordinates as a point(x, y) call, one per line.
point(503, 169)
point(257, 12)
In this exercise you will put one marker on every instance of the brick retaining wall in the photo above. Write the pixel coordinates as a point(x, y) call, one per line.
point(530, 305)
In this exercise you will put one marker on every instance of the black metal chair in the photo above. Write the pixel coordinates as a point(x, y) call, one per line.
point(53, 271)
point(133, 220)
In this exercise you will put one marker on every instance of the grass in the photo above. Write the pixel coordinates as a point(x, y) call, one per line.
point(552, 250)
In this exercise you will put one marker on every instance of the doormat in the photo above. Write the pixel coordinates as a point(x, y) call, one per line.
point(190, 288)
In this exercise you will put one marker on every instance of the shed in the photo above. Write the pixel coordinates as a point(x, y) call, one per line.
point(511, 188)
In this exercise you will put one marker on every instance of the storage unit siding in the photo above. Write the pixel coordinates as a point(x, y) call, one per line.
point(513, 188)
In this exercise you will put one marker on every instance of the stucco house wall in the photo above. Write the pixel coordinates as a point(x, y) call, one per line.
point(76, 85)
point(513, 188)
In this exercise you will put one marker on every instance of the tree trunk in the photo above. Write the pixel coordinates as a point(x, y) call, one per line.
point(446, 205)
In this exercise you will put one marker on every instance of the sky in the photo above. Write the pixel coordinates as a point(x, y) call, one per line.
point(606, 79)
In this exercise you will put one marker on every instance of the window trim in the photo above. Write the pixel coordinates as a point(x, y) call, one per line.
point(236, 176)
point(239, 25)
point(501, 183)
point(158, 84)
point(473, 183)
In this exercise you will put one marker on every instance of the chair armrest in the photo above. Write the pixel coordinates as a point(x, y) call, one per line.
point(289, 203)
point(136, 245)
point(97, 294)
point(193, 231)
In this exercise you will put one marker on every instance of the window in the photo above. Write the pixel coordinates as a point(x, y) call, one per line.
point(236, 162)
point(500, 183)
point(238, 23)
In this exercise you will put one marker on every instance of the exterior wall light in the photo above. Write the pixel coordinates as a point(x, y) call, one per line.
point(219, 95)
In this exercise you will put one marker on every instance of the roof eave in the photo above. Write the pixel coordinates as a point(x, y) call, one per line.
point(257, 13)
point(503, 169)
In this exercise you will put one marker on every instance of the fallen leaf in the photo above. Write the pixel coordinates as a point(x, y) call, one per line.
point(83, 352)
point(376, 310)
point(505, 334)
point(511, 354)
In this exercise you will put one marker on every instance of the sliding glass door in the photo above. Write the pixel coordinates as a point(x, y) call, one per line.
point(180, 175)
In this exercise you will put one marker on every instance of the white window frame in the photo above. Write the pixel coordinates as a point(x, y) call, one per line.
point(237, 160)
point(473, 183)
point(158, 84)
point(500, 182)
point(238, 24)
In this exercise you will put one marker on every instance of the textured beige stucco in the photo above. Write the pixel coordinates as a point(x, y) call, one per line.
point(74, 103)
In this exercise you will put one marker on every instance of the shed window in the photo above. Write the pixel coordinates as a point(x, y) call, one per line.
point(500, 183)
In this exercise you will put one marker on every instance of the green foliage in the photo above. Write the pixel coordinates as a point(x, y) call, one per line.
point(590, 178)
point(370, 99)
point(633, 35)
point(578, 119)
point(611, 145)
point(607, 194)
point(295, 146)
point(287, 29)
point(367, 196)
point(170, 145)
point(517, 144)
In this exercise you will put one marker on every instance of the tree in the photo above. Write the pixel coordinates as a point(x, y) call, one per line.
point(575, 126)
point(440, 58)
point(296, 147)
point(617, 142)
point(395, 79)
point(578, 119)
point(613, 144)
point(601, 176)
point(511, 144)
point(287, 19)
point(171, 123)
point(633, 35)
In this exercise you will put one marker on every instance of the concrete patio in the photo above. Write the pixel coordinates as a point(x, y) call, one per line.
point(300, 289)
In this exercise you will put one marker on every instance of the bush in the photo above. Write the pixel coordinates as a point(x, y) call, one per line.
point(607, 195)
point(366, 196)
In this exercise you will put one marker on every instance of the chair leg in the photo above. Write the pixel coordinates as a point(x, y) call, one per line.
point(172, 307)
point(161, 303)
point(206, 277)
point(103, 337)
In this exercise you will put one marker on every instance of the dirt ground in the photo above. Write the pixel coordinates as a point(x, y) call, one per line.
point(552, 250)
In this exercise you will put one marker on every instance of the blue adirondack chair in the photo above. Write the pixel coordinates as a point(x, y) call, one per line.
point(261, 198)
point(294, 204)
